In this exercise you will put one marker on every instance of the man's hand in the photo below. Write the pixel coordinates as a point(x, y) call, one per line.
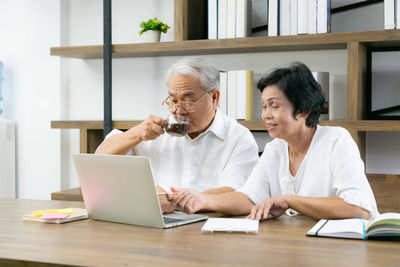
point(150, 128)
point(269, 208)
point(187, 200)
point(165, 204)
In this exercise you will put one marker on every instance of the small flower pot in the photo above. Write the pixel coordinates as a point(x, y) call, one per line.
point(152, 36)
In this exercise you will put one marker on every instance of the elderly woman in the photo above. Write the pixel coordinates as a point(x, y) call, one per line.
point(310, 169)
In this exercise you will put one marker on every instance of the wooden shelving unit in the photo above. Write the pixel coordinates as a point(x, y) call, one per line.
point(187, 12)
point(355, 43)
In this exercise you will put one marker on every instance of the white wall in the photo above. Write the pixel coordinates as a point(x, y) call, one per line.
point(31, 91)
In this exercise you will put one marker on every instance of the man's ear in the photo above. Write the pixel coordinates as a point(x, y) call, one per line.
point(215, 96)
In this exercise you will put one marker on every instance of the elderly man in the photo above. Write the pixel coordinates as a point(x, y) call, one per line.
point(215, 156)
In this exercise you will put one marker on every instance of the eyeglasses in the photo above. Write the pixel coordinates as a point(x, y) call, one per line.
point(187, 105)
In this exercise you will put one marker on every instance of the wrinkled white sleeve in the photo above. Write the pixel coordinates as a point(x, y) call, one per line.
point(241, 162)
point(257, 187)
point(349, 178)
point(115, 132)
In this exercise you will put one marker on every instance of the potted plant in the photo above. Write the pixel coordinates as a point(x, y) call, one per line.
point(152, 29)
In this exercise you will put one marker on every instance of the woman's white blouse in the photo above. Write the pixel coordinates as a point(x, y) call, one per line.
point(332, 167)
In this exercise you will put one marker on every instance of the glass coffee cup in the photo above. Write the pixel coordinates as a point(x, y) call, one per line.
point(177, 125)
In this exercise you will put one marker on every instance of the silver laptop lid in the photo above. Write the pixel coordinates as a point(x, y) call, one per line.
point(119, 189)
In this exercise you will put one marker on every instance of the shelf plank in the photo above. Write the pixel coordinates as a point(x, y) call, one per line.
point(92, 125)
point(253, 125)
point(236, 45)
point(77, 125)
point(376, 126)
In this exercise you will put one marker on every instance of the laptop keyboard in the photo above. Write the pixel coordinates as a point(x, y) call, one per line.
point(171, 220)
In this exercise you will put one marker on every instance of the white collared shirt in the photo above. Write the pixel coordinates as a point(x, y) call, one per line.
point(332, 167)
point(223, 155)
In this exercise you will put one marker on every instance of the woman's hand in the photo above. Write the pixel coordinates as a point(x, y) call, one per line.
point(270, 208)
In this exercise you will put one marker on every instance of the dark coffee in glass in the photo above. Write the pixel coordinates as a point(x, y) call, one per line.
point(177, 125)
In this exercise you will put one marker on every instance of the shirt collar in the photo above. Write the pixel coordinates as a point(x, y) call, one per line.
point(217, 127)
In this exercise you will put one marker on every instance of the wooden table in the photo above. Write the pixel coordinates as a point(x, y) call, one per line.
point(96, 243)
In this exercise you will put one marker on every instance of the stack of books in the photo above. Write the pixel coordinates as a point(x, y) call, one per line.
point(229, 19)
point(292, 17)
point(237, 94)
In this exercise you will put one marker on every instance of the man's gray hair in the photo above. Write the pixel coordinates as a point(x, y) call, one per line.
point(197, 68)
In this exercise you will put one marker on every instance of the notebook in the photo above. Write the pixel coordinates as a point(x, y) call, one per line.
point(230, 225)
point(57, 216)
point(121, 188)
point(383, 226)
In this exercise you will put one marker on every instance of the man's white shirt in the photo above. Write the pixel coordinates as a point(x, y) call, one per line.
point(223, 155)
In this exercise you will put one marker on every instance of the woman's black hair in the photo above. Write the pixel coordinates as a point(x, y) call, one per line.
point(300, 87)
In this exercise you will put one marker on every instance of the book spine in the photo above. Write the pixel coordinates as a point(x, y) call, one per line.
point(249, 21)
point(243, 18)
point(231, 94)
point(241, 94)
point(397, 14)
point(328, 16)
point(212, 19)
point(245, 94)
point(293, 17)
point(273, 18)
point(222, 91)
point(312, 17)
point(222, 16)
point(249, 94)
point(231, 19)
point(389, 14)
point(322, 16)
point(284, 17)
point(302, 16)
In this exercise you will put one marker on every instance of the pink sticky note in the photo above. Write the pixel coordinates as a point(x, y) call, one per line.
point(50, 216)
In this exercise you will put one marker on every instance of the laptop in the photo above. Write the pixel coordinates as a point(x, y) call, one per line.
point(121, 189)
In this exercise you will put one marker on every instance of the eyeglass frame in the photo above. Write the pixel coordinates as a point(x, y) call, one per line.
point(191, 103)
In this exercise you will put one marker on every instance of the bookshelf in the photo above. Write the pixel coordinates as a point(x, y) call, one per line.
point(355, 43)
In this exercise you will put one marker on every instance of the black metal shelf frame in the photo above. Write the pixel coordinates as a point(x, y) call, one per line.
point(107, 66)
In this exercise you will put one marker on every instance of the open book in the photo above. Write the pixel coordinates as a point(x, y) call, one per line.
point(384, 225)
point(57, 216)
